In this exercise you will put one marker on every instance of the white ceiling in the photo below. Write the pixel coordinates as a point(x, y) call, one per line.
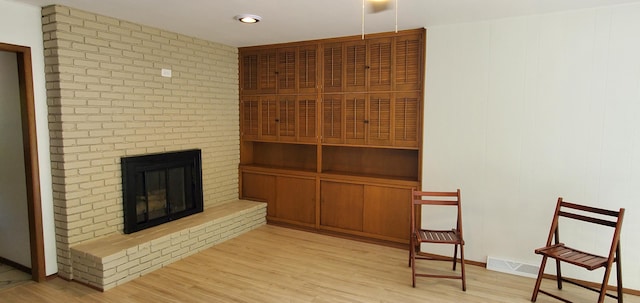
point(297, 20)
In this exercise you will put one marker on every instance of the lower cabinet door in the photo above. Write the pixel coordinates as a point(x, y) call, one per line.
point(368, 210)
point(387, 211)
point(296, 199)
point(341, 205)
point(260, 187)
point(375, 211)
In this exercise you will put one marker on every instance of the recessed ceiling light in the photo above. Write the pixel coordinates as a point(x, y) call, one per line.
point(247, 18)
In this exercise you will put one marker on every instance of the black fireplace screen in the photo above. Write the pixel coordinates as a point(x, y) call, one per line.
point(159, 188)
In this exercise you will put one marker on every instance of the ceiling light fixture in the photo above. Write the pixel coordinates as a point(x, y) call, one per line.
point(248, 18)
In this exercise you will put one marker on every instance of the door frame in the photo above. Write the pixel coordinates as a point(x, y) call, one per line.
point(30, 148)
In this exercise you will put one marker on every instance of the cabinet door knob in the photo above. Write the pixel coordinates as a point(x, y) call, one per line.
point(366, 121)
point(277, 120)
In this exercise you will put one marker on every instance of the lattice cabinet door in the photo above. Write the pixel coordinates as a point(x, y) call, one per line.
point(268, 118)
point(287, 70)
point(407, 124)
point(378, 121)
point(267, 72)
point(332, 67)
point(250, 117)
point(307, 118)
point(249, 74)
point(307, 69)
point(355, 66)
point(379, 64)
point(355, 118)
point(333, 118)
point(287, 118)
point(409, 62)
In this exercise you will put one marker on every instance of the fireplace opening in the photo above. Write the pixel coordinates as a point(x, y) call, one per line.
point(159, 188)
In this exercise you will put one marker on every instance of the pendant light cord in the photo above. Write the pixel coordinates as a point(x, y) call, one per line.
point(363, 19)
point(396, 16)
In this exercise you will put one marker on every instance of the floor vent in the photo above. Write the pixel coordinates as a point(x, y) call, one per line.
point(512, 267)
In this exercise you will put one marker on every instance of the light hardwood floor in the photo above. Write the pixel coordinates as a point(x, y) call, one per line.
point(274, 264)
point(10, 277)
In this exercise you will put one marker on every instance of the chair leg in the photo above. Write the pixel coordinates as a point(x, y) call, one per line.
point(603, 287)
point(605, 281)
point(455, 255)
point(558, 274)
point(464, 277)
point(410, 253)
point(539, 279)
point(413, 267)
point(411, 250)
point(412, 260)
point(619, 273)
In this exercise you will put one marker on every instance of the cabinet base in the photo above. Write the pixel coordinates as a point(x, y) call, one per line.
point(344, 235)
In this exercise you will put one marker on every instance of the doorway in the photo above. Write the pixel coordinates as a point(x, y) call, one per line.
point(27, 132)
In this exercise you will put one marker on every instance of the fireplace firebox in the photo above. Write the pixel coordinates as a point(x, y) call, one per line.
point(159, 188)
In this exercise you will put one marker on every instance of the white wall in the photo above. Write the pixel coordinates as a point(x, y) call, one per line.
point(520, 111)
point(20, 24)
point(14, 226)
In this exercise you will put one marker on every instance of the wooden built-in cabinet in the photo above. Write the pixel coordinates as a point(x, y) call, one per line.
point(331, 132)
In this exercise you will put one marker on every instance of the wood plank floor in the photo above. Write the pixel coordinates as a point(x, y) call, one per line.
point(275, 264)
point(10, 277)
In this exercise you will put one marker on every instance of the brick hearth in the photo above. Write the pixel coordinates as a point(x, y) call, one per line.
point(110, 261)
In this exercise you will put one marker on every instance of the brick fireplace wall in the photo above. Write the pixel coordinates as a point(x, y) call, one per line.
point(107, 99)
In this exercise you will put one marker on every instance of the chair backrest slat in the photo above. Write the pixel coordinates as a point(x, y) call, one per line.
point(435, 193)
point(587, 214)
point(587, 219)
point(590, 209)
point(434, 202)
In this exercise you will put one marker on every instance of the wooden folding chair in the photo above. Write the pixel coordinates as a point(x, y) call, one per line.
point(563, 253)
point(420, 235)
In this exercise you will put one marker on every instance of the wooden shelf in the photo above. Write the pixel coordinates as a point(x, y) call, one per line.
point(279, 155)
point(371, 178)
point(278, 170)
point(365, 161)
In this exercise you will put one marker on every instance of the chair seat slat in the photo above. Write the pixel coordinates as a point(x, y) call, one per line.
point(573, 256)
point(438, 236)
